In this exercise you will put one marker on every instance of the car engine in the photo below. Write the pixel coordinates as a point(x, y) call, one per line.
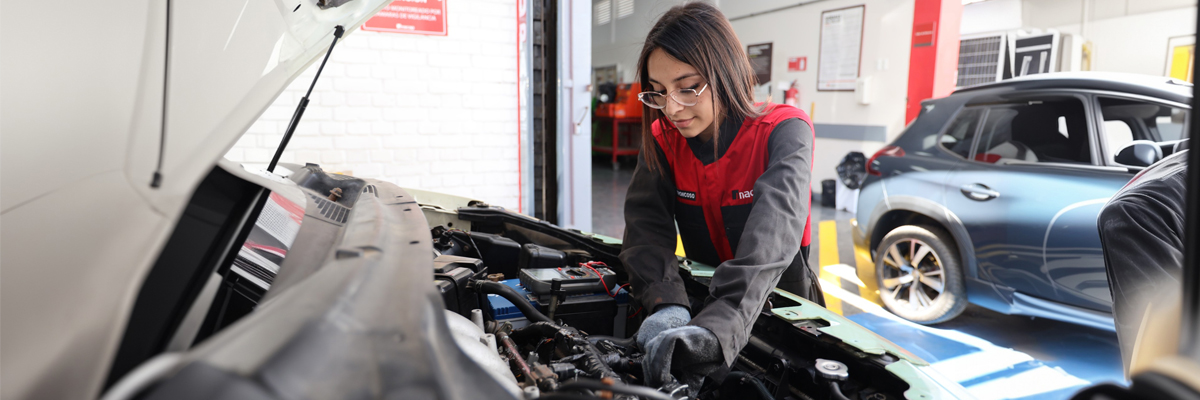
point(498, 276)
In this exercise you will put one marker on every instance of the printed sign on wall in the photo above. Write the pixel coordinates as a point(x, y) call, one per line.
point(760, 60)
point(841, 48)
point(797, 64)
point(1181, 51)
point(426, 17)
point(1035, 55)
point(924, 34)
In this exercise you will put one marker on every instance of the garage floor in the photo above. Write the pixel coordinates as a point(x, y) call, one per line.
point(995, 356)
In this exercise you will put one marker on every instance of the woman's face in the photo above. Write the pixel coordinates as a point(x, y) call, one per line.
point(668, 74)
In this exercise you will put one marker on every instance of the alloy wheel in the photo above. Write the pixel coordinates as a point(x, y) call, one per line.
point(913, 275)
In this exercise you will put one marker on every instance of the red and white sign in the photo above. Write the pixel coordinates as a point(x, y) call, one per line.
point(924, 34)
point(426, 17)
point(797, 64)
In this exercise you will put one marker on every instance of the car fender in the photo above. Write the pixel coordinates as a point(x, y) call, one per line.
point(938, 213)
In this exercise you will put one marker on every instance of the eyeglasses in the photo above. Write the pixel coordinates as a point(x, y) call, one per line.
point(685, 97)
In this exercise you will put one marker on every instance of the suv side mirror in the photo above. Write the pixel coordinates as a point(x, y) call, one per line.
point(1139, 153)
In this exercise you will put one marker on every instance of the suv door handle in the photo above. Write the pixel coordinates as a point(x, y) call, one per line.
point(979, 192)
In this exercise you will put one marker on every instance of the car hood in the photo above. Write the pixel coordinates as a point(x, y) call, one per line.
point(169, 92)
point(219, 83)
point(110, 120)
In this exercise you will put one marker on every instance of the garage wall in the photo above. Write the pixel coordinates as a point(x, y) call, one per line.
point(842, 123)
point(431, 112)
point(619, 42)
point(1127, 35)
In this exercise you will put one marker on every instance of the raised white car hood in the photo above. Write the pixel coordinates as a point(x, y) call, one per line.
point(229, 63)
point(91, 100)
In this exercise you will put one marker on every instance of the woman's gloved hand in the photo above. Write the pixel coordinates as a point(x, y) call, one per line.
point(692, 351)
point(667, 317)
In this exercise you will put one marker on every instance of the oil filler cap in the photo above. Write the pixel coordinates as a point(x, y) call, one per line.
point(834, 370)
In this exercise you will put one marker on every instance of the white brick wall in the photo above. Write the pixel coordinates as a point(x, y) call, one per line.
point(430, 112)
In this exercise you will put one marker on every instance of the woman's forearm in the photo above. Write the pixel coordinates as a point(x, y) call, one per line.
point(648, 252)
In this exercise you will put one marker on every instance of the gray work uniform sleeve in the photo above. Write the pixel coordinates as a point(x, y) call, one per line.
point(648, 249)
point(1141, 230)
point(769, 243)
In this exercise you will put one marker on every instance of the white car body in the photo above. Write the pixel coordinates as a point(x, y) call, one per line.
point(87, 102)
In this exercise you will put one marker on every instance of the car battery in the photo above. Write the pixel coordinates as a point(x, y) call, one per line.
point(595, 313)
point(577, 280)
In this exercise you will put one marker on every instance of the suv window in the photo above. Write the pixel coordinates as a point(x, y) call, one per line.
point(961, 132)
point(1052, 130)
point(1127, 120)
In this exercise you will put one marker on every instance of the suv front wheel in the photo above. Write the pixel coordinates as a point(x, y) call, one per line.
point(919, 276)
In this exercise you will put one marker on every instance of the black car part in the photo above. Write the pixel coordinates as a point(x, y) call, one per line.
point(291, 129)
point(205, 241)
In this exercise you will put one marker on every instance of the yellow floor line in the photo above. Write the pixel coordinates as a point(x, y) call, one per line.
point(866, 274)
point(828, 255)
point(850, 274)
point(834, 290)
point(679, 246)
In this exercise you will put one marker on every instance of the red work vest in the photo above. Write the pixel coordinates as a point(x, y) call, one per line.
point(713, 201)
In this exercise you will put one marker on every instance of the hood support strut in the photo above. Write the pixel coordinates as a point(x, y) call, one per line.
point(287, 135)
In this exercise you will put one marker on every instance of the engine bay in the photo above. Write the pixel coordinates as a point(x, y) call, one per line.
point(554, 312)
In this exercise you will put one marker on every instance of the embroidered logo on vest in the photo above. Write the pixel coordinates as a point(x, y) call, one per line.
point(743, 194)
point(685, 194)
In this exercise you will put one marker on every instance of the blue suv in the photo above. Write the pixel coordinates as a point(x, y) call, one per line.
point(991, 195)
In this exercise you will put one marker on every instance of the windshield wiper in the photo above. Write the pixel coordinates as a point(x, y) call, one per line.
point(287, 135)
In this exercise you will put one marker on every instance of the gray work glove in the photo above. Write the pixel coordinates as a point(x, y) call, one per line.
point(667, 317)
point(688, 353)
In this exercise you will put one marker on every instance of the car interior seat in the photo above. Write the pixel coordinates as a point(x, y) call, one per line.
point(1000, 145)
point(1037, 127)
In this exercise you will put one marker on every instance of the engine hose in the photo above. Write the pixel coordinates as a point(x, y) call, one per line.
point(755, 382)
point(510, 294)
point(587, 357)
point(626, 343)
point(540, 330)
point(836, 391)
point(594, 366)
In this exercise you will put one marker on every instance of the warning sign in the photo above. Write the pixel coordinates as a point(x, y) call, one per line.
point(797, 64)
point(426, 17)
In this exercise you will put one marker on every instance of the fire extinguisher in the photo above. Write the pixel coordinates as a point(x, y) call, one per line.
point(791, 97)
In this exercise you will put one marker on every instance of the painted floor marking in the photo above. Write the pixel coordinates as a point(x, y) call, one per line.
point(828, 255)
point(845, 272)
point(835, 291)
point(865, 268)
point(974, 365)
point(1039, 380)
point(987, 359)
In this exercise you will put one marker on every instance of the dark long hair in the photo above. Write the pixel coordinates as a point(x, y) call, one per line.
point(699, 35)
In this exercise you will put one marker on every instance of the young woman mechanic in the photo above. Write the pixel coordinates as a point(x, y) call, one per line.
point(732, 175)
